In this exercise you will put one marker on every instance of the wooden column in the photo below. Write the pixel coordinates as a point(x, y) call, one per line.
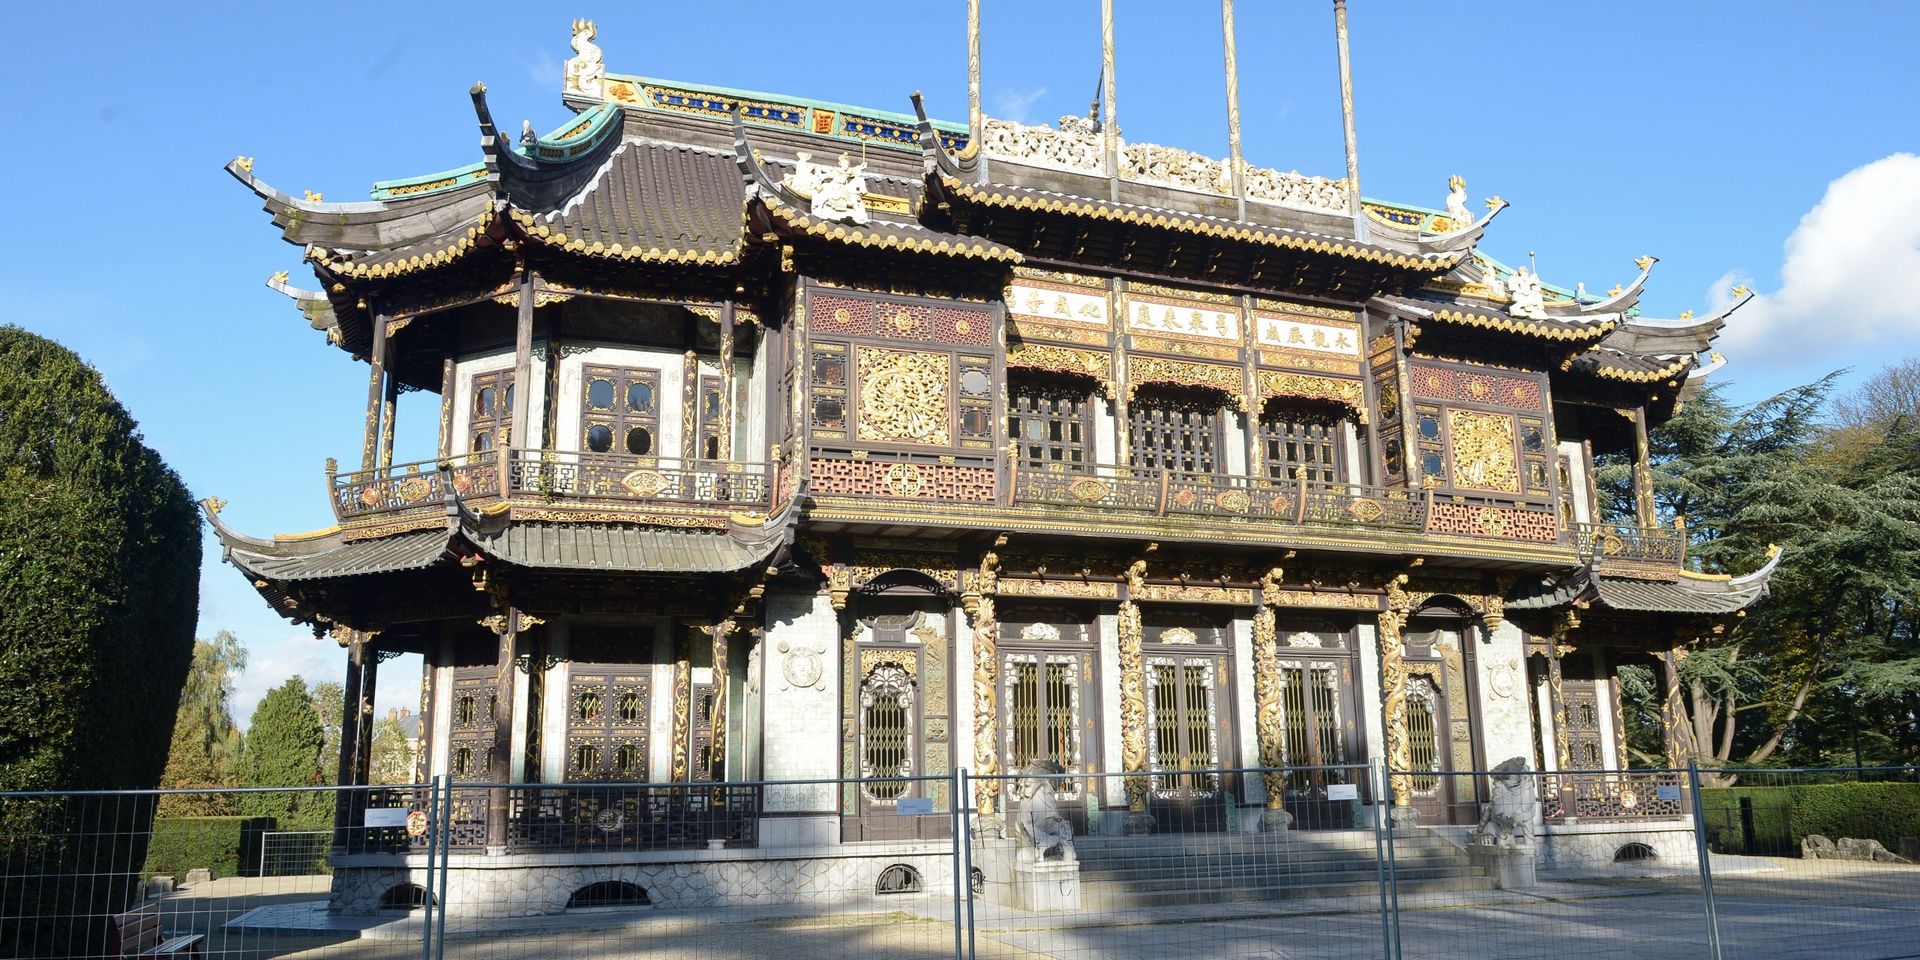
point(1269, 722)
point(448, 387)
point(1122, 386)
point(1133, 702)
point(978, 601)
point(682, 703)
point(423, 764)
point(518, 434)
point(726, 381)
point(500, 751)
point(345, 802)
point(1673, 710)
point(376, 387)
point(1558, 648)
point(721, 634)
point(387, 407)
point(1393, 692)
point(1645, 512)
point(689, 407)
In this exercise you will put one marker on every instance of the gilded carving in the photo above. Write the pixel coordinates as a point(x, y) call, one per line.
point(1035, 356)
point(986, 673)
point(1228, 380)
point(904, 659)
point(1076, 589)
point(1268, 721)
point(1300, 386)
point(904, 396)
point(1393, 681)
point(1190, 593)
point(1133, 692)
point(1483, 456)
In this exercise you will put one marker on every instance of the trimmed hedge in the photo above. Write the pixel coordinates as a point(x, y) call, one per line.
point(228, 846)
point(1781, 817)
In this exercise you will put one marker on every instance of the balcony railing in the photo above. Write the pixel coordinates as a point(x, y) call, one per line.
point(1605, 543)
point(551, 475)
point(367, 493)
point(627, 479)
point(1613, 796)
point(1217, 496)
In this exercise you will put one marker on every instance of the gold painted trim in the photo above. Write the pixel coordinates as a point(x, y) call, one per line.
point(1528, 327)
point(556, 238)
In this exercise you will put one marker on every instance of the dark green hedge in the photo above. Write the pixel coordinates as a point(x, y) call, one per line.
point(1774, 820)
point(228, 846)
point(100, 585)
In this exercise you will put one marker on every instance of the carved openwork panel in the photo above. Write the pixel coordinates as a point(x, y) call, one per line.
point(1438, 382)
point(471, 723)
point(1483, 451)
point(901, 480)
point(1486, 520)
point(930, 322)
point(905, 396)
point(609, 712)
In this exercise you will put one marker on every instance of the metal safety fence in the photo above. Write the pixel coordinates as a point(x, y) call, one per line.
point(1336, 862)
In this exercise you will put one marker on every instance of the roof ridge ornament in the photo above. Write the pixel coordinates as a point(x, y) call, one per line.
point(587, 69)
point(832, 194)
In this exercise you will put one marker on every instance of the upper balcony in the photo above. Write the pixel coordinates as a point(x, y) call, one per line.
point(855, 487)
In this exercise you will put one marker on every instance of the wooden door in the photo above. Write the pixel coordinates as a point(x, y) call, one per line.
point(1440, 726)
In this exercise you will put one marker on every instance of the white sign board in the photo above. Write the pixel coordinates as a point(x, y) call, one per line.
point(1343, 791)
point(386, 817)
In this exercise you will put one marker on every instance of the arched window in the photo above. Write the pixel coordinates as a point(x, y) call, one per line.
point(886, 730)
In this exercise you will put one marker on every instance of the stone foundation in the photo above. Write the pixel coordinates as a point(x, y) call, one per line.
point(1576, 849)
point(535, 884)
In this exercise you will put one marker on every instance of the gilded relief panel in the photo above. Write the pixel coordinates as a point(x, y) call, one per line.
point(905, 396)
point(1483, 456)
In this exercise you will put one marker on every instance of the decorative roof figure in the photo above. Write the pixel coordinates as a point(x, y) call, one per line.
point(1523, 288)
point(1457, 202)
point(587, 69)
point(835, 194)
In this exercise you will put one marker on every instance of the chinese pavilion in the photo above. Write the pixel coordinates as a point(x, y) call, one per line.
point(787, 440)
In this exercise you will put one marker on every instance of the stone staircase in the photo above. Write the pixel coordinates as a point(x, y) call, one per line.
point(1174, 869)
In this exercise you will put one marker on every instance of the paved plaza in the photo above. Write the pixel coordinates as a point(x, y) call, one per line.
point(1787, 909)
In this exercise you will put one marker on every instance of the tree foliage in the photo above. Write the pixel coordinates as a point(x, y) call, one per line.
point(206, 741)
point(1836, 639)
point(99, 592)
point(282, 749)
point(329, 704)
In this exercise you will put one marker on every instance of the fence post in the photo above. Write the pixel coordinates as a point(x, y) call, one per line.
point(426, 917)
point(965, 803)
point(962, 878)
point(1706, 866)
point(1381, 851)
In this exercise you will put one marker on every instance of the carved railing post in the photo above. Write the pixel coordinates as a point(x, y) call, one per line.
point(978, 601)
point(1393, 694)
point(1133, 703)
point(1268, 721)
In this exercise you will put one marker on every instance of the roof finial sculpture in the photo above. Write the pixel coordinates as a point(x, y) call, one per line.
point(1529, 301)
point(587, 69)
point(1457, 203)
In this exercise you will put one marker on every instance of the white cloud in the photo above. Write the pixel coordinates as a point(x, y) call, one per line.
point(1851, 274)
point(270, 663)
point(1017, 105)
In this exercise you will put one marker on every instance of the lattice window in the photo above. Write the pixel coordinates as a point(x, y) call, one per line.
point(703, 733)
point(1052, 423)
point(620, 411)
point(1303, 437)
point(470, 737)
point(1584, 739)
point(1181, 714)
point(490, 421)
point(1181, 433)
point(1310, 695)
point(711, 422)
point(1423, 730)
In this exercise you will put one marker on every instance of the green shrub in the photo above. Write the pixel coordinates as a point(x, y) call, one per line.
point(1781, 817)
point(228, 846)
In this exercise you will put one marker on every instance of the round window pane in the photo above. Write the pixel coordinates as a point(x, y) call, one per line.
point(1430, 428)
point(600, 438)
point(483, 402)
point(640, 397)
point(974, 383)
point(710, 407)
point(600, 394)
point(482, 442)
point(639, 441)
point(508, 398)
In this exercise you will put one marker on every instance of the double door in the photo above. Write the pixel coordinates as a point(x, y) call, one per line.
point(1189, 726)
point(1048, 704)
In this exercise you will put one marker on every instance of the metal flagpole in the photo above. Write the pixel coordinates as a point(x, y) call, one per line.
point(973, 71)
point(1110, 124)
point(1233, 113)
point(1346, 112)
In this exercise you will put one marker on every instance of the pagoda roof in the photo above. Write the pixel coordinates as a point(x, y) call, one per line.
point(1463, 311)
point(1691, 593)
point(651, 201)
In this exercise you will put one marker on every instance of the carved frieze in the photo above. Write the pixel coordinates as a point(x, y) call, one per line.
point(1036, 356)
point(1144, 370)
point(1301, 386)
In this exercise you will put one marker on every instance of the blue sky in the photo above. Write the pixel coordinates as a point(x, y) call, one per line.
point(1766, 142)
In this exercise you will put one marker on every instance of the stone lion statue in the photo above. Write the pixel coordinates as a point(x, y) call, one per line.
point(1039, 829)
point(1508, 818)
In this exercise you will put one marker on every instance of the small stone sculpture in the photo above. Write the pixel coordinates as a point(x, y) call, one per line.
point(1457, 203)
point(1529, 302)
point(1038, 828)
point(835, 194)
